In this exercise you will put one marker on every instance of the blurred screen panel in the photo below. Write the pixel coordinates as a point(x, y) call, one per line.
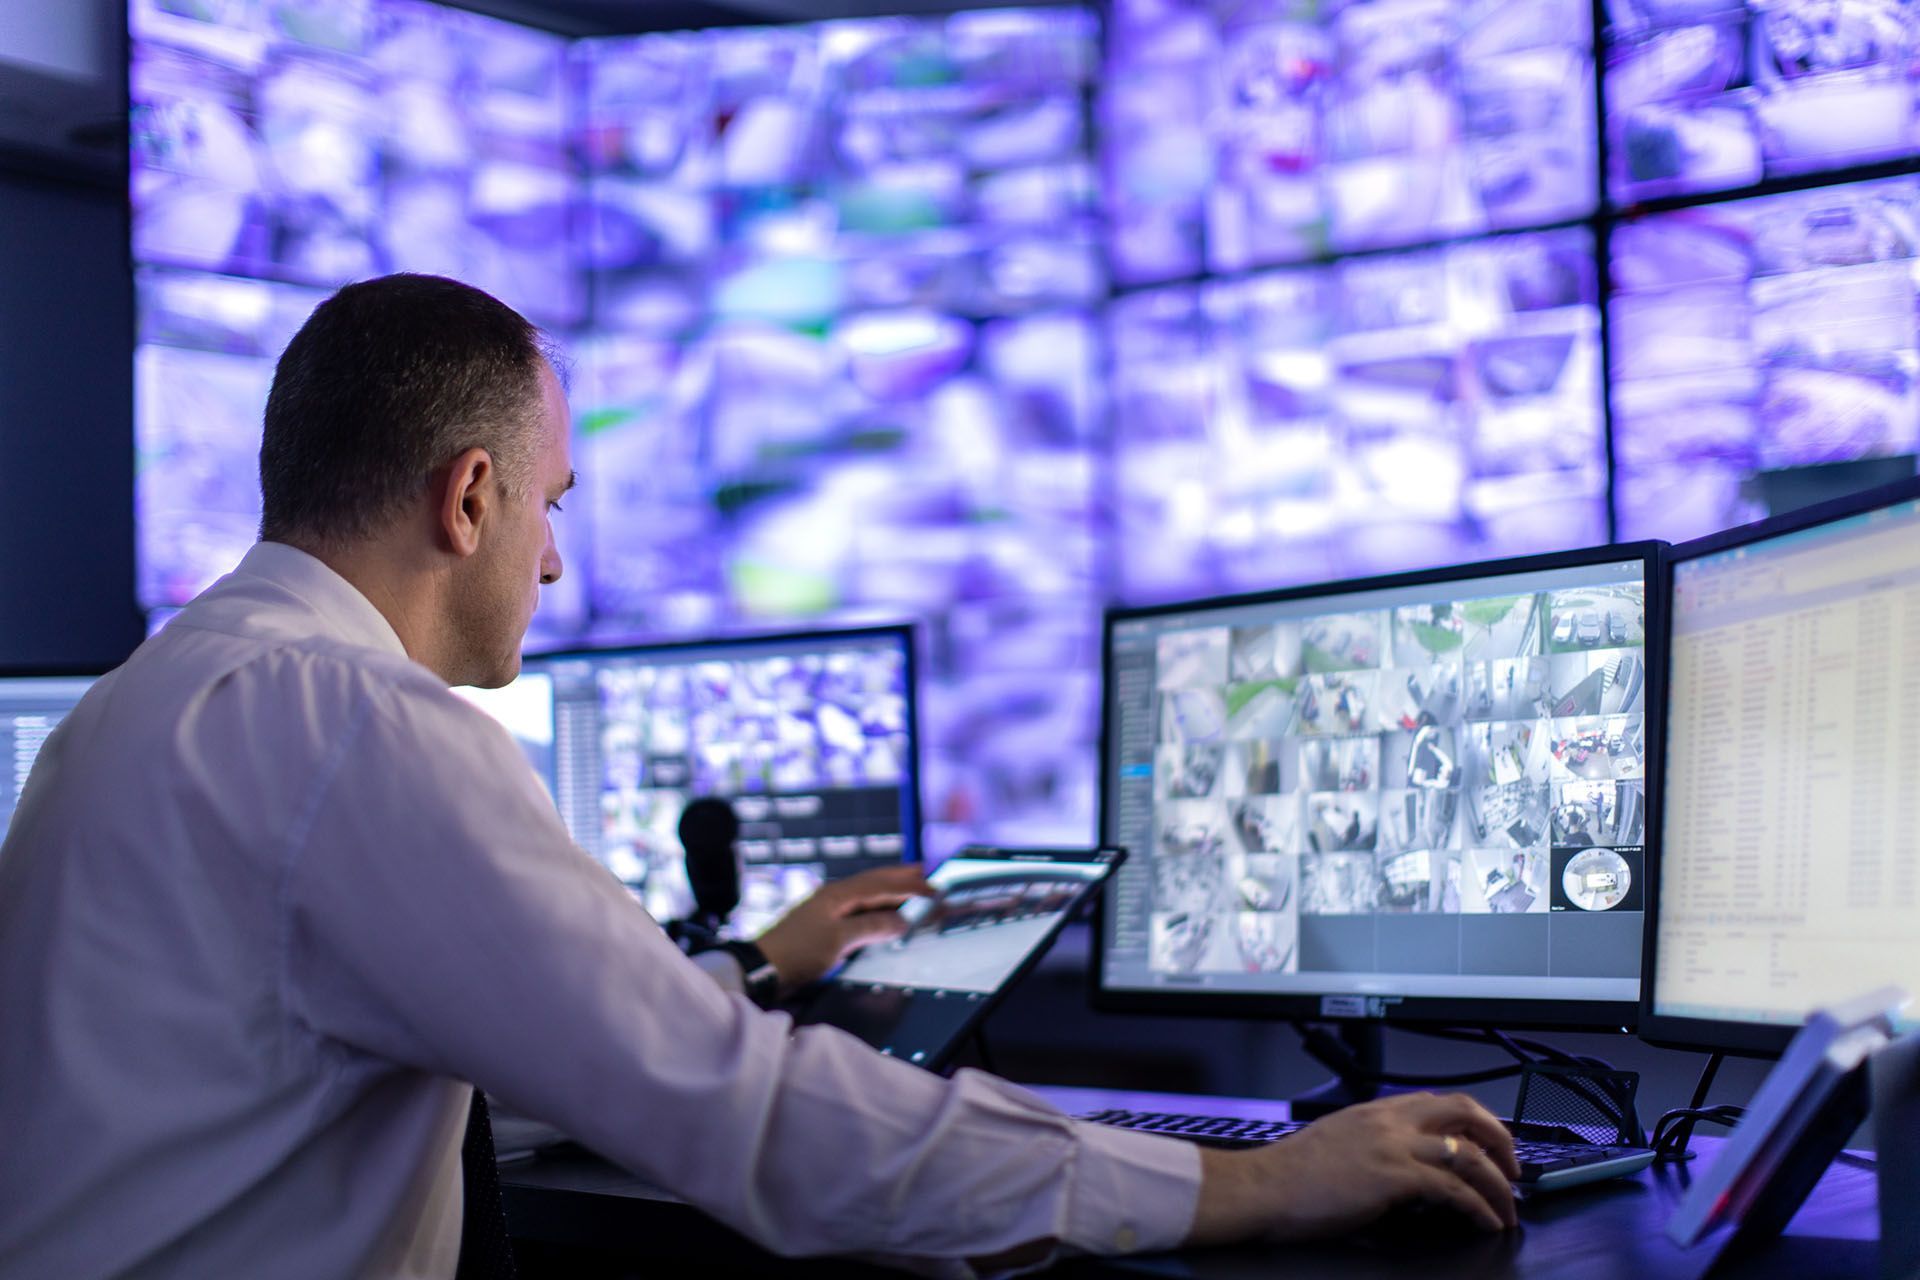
point(843, 365)
point(1389, 412)
point(315, 144)
point(1756, 336)
point(202, 365)
point(1274, 131)
point(1708, 95)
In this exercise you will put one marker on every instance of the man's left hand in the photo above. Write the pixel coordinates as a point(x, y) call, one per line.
point(837, 919)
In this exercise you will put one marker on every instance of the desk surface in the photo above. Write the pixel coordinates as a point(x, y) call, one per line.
point(1610, 1231)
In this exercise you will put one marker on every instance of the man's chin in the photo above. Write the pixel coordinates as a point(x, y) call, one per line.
point(503, 673)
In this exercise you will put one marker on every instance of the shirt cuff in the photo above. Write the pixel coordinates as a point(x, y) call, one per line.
point(1132, 1192)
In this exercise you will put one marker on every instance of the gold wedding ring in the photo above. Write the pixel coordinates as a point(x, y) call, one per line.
point(1451, 1146)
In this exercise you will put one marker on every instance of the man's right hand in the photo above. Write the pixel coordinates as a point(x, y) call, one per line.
point(1349, 1168)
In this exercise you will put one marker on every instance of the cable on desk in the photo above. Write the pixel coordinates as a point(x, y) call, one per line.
point(1675, 1143)
point(1521, 1049)
point(1673, 1134)
point(1525, 1053)
point(1707, 1073)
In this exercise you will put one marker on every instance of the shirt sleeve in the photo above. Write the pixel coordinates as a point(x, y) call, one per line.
point(436, 914)
point(723, 969)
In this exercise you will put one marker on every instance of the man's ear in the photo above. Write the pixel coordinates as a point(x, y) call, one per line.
point(466, 499)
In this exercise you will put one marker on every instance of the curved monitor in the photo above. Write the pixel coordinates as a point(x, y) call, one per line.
point(1790, 821)
point(1417, 797)
point(810, 736)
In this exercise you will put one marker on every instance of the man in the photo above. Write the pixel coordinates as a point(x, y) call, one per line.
point(275, 899)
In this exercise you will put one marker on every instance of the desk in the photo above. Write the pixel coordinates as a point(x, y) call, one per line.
point(1610, 1231)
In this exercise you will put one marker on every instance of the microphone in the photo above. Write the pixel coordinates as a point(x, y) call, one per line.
point(708, 828)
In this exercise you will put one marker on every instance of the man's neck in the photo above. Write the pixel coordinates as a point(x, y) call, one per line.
point(408, 595)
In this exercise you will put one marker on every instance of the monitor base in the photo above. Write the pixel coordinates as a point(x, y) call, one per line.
point(1325, 1099)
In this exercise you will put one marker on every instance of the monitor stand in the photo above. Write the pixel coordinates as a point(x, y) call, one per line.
point(1356, 1053)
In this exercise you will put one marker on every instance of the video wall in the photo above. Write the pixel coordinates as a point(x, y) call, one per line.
point(992, 317)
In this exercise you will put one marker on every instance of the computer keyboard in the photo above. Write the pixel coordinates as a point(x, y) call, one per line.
point(1545, 1165)
point(1210, 1131)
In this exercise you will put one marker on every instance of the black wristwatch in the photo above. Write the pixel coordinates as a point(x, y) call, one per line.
point(761, 979)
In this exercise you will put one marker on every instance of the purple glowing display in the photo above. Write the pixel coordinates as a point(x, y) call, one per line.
point(281, 149)
point(1275, 131)
point(839, 360)
point(1387, 412)
point(1756, 335)
point(843, 365)
point(844, 342)
point(315, 144)
point(1707, 95)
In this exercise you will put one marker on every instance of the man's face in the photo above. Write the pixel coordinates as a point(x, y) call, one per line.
point(519, 555)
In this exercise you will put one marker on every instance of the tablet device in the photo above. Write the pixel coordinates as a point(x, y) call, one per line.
point(995, 913)
point(1799, 1119)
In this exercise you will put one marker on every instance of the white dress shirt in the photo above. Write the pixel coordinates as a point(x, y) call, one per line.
point(273, 896)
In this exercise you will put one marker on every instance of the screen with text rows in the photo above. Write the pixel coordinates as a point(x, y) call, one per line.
point(1791, 868)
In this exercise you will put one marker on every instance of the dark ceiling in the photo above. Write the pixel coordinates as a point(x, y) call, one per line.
point(616, 17)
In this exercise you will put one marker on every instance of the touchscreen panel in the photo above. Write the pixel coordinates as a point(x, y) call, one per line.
point(918, 996)
point(991, 914)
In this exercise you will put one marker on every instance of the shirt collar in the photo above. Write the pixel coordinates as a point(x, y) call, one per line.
point(350, 615)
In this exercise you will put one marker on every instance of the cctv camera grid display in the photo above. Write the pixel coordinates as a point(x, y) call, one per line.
point(812, 744)
point(1384, 790)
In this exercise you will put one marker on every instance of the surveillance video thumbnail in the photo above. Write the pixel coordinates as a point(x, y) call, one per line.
point(1598, 747)
point(1217, 904)
point(1505, 881)
point(1601, 682)
point(1419, 881)
point(1597, 618)
point(1599, 813)
point(1598, 879)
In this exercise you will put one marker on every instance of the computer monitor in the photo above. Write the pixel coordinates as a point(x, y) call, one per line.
point(31, 705)
point(1790, 818)
point(811, 737)
point(1418, 797)
point(525, 710)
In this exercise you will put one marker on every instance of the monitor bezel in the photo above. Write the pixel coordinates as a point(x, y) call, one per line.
point(1710, 1035)
point(907, 633)
point(1543, 1014)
